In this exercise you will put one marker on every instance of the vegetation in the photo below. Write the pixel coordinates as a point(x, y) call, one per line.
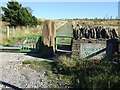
point(89, 73)
point(17, 15)
point(10, 41)
point(61, 27)
point(18, 34)
point(55, 80)
point(38, 64)
point(85, 73)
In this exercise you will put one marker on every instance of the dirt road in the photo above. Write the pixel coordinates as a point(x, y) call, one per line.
point(14, 74)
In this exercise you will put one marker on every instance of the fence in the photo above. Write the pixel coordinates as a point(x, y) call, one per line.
point(21, 31)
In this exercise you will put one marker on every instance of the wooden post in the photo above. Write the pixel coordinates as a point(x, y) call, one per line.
point(13, 29)
point(8, 32)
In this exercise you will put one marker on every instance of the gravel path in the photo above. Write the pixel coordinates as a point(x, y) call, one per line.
point(14, 73)
point(66, 29)
point(8, 57)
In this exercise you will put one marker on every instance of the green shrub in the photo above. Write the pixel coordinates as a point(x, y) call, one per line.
point(88, 73)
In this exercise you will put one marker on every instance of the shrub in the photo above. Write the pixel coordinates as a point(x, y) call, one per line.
point(87, 73)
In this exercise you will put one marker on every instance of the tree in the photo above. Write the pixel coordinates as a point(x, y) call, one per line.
point(17, 15)
point(29, 9)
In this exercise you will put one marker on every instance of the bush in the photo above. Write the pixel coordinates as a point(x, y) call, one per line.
point(89, 73)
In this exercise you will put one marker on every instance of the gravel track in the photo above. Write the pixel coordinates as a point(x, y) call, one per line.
point(66, 29)
point(13, 72)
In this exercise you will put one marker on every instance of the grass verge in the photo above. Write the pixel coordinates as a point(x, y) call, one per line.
point(81, 73)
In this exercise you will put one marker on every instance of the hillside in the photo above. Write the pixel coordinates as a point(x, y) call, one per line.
point(63, 27)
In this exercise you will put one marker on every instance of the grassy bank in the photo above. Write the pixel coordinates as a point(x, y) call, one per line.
point(17, 34)
point(63, 27)
point(81, 73)
point(55, 80)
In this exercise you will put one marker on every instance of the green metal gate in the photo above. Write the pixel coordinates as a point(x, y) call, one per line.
point(63, 40)
point(30, 43)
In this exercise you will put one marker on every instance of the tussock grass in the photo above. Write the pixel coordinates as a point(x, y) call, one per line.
point(18, 34)
point(86, 73)
point(38, 64)
point(82, 73)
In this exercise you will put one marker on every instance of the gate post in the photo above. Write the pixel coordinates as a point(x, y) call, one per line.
point(112, 48)
point(53, 35)
point(49, 34)
point(119, 48)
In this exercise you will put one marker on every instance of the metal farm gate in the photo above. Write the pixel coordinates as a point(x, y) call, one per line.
point(31, 43)
point(62, 41)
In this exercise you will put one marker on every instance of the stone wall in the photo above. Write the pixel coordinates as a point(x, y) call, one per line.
point(88, 48)
point(119, 47)
point(104, 49)
point(113, 48)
